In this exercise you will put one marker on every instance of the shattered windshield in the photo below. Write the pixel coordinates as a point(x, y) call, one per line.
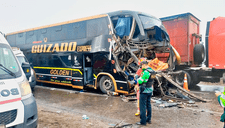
point(8, 60)
point(149, 22)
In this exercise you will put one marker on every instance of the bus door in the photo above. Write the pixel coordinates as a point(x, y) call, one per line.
point(87, 69)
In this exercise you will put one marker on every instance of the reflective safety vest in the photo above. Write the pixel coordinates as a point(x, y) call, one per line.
point(222, 100)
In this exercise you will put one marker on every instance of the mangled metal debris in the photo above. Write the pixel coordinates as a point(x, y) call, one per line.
point(142, 35)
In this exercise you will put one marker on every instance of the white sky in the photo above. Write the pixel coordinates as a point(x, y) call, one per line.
point(23, 14)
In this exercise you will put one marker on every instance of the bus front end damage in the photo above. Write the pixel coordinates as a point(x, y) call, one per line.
point(136, 36)
point(139, 35)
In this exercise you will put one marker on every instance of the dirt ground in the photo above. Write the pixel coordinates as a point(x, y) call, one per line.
point(63, 108)
point(55, 118)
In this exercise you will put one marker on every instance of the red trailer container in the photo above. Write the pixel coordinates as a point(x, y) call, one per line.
point(183, 30)
point(215, 43)
point(184, 36)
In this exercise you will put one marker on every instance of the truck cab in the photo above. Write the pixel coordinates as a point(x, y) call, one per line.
point(17, 102)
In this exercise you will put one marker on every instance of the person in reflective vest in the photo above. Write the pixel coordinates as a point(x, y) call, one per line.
point(146, 89)
point(221, 100)
point(137, 75)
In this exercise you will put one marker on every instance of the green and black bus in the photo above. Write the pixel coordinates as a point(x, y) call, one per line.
point(99, 51)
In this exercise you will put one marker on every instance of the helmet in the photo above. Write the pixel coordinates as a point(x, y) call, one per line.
point(140, 60)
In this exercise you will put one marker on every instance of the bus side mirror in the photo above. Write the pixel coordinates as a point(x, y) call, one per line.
point(26, 69)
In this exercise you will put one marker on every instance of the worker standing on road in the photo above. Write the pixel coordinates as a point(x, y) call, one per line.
point(146, 89)
point(137, 75)
point(221, 100)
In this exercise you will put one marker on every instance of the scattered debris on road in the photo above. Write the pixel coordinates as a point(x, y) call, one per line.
point(84, 117)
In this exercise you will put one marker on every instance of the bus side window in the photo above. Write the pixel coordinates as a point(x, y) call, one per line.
point(76, 59)
point(66, 59)
point(42, 60)
point(97, 27)
point(57, 62)
point(20, 39)
point(12, 40)
point(88, 60)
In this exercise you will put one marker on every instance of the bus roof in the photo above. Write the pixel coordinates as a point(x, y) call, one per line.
point(82, 19)
point(128, 12)
point(61, 23)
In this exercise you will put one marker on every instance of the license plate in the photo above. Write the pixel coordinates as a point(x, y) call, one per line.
point(2, 126)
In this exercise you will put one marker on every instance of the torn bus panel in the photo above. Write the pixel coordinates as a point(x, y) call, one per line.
point(137, 35)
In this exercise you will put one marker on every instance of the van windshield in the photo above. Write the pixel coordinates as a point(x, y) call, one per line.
point(21, 59)
point(8, 60)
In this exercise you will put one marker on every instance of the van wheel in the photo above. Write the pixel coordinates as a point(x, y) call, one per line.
point(106, 84)
point(199, 53)
point(180, 78)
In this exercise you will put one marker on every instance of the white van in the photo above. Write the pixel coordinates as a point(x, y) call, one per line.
point(18, 107)
point(21, 58)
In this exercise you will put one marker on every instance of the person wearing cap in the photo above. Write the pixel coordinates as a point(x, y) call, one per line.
point(146, 88)
point(221, 100)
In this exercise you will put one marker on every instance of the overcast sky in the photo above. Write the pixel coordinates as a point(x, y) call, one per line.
point(23, 14)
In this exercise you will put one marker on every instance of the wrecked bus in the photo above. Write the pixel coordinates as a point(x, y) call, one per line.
point(100, 51)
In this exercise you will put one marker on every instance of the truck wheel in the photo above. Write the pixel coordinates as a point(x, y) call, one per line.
point(106, 84)
point(196, 81)
point(212, 79)
point(199, 53)
point(180, 78)
point(195, 77)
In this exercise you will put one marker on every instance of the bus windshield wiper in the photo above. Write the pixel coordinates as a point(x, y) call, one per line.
point(7, 70)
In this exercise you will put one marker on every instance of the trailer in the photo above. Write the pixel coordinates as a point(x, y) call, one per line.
point(183, 30)
point(215, 47)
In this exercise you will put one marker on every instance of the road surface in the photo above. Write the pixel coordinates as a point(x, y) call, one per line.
point(64, 108)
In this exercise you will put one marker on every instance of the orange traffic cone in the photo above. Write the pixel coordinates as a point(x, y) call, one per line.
point(185, 86)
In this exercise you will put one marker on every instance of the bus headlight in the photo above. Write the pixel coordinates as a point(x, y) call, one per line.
point(25, 88)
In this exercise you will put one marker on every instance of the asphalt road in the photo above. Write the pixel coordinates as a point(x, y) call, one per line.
point(112, 110)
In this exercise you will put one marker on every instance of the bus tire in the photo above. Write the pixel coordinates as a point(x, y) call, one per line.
point(106, 84)
point(199, 54)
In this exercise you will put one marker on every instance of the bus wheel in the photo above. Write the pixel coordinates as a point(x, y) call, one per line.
point(106, 84)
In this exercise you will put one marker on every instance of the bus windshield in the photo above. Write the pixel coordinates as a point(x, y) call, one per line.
point(149, 22)
point(8, 60)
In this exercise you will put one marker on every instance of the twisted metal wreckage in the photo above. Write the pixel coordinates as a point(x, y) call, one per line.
point(129, 44)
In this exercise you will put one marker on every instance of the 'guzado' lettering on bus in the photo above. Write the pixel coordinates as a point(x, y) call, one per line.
point(57, 47)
